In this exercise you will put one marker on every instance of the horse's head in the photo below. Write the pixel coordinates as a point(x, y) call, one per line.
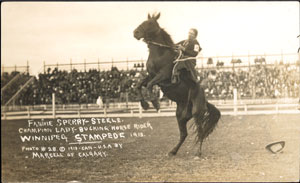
point(148, 28)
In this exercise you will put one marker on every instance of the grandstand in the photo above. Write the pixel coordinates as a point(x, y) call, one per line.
point(74, 87)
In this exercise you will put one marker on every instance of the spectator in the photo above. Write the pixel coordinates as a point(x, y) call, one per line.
point(119, 85)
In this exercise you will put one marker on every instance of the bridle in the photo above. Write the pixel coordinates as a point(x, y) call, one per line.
point(148, 42)
point(178, 58)
point(158, 44)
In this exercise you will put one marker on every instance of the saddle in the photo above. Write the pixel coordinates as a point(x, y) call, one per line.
point(183, 62)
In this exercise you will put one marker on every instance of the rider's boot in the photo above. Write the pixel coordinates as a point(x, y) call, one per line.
point(175, 78)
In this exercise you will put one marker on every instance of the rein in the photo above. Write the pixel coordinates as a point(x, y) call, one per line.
point(157, 44)
point(179, 59)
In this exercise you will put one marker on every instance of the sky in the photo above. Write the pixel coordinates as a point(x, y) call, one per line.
point(56, 32)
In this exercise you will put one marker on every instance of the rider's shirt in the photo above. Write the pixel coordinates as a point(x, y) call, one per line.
point(192, 47)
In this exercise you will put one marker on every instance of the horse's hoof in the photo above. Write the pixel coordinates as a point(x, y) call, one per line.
point(171, 154)
point(156, 104)
point(196, 158)
point(157, 107)
point(144, 105)
point(198, 154)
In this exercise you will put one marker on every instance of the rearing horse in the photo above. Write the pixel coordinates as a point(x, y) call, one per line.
point(159, 67)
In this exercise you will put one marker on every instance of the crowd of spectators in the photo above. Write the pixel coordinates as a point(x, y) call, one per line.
point(80, 87)
point(260, 81)
point(71, 87)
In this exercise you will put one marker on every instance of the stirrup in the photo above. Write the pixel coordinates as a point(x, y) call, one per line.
point(175, 79)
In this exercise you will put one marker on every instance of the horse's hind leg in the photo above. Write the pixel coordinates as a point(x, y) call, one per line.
point(182, 120)
point(197, 96)
point(209, 122)
point(199, 109)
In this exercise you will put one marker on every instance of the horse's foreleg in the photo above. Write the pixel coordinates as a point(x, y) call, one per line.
point(161, 76)
point(182, 120)
point(164, 72)
point(141, 98)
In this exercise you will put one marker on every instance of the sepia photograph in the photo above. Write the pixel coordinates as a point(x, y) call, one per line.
point(150, 91)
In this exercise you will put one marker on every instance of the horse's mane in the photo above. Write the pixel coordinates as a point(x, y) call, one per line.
point(167, 38)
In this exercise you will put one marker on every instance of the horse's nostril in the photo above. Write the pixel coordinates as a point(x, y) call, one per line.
point(136, 34)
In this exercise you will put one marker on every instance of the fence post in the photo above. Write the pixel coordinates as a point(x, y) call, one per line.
point(79, 114)
point(28, 112)
point(126, 94)
point(53, 105)
point(27, 67)
point(44, 67)
point(235, 101)
point(98, 64)
point(131, 111)
point(249, 67)
point(4, 115)
point(84, 65)
point(105, 114)
point(70, 65)
point(281, 56)
point(299, 66)
point(140, 110)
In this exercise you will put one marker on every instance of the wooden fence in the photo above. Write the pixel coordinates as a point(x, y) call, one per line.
point(134, 109)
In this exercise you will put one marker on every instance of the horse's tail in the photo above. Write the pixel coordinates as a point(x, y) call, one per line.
point(214, 116)
point(205, 123)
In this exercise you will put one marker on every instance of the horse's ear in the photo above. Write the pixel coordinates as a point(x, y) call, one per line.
point(157, 16)
point(149, 16)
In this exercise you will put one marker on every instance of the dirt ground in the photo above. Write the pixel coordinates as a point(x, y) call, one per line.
point(235, 151)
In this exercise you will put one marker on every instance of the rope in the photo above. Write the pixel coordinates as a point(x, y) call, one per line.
point(179, 59)
point(176, 62)
point(184, 59)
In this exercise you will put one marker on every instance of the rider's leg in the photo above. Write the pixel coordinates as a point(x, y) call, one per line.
point(175, 74)
point(198, 102)
point(187, 77)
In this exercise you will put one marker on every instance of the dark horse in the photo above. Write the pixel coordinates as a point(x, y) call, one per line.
point(160, 63)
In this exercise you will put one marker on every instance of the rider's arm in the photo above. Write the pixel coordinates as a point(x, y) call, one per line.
point(180, 43)
point(193, 50)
